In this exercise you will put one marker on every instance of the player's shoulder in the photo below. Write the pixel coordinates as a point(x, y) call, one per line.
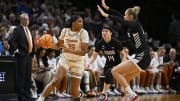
point(65, 29)
point(84, 31)
point(99, 42)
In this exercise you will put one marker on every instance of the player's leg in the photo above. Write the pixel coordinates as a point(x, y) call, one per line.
point(125, 72)
point(76, 70)
point(60, 73)
point(75, 83)
point(129, 69)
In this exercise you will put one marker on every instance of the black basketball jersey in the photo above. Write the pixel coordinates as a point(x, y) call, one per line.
point(137, 37)
point(135, 31)
point(110, 50)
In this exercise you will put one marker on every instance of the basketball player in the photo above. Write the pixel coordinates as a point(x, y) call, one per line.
point(75, 44)
point(129, 69)
point(112, 50)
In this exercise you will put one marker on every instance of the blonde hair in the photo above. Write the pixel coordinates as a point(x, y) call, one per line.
point(134, 11)
point(161, 48)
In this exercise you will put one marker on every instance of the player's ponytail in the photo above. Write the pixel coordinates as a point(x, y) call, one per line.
point(134, 11)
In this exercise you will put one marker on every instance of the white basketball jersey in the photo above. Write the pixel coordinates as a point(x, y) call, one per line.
point(73, 41)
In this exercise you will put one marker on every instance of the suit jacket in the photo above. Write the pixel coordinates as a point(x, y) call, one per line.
point(18, 41)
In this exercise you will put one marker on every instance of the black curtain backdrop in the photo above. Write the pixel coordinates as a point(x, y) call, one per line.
point(155, 15)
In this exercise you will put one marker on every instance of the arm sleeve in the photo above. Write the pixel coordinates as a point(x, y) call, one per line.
point(130, 24)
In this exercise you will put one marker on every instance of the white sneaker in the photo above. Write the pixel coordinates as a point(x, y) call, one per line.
point(171, 90)
point(132, 97)
point(160, 90)
point(153, 90)
point(111, 93)
point(103, 97)
point(66, 95)
point(138, 90)
point(148, 90)
point(117, 92)
point(60, 95)
point(165, 90)
point(143, 90)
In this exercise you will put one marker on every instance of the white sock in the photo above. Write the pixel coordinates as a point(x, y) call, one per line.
point(129, 91)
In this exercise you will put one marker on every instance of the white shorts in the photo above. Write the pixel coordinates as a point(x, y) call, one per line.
point(76, 68)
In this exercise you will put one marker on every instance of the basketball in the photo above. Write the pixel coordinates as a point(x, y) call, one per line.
point(46, 41)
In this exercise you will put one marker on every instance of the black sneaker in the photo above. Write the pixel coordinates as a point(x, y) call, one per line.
point(103, 97)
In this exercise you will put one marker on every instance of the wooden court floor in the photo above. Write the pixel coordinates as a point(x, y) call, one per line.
point(150, 97)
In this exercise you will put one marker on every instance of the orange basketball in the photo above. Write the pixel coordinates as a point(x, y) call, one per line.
point(46, 41)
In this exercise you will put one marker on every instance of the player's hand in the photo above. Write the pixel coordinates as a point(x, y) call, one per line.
point(102, 12)
point(104, 5)
point(66, 50)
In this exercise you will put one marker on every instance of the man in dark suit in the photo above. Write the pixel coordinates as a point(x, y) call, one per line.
point(21, 43)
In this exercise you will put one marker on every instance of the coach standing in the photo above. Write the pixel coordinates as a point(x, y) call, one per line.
point(21, 43)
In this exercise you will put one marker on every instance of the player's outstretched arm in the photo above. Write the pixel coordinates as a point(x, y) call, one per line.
point(102, 12)
point(106, 7)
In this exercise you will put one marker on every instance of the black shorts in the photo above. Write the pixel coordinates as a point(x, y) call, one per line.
point(142, 59)
point(144, 63)
point(108, 75)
